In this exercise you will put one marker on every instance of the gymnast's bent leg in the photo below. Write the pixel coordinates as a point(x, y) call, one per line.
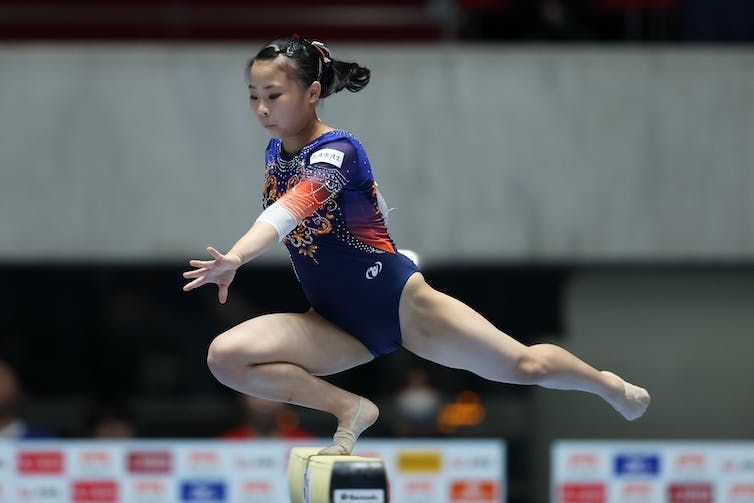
point(442, 329)
point(278, 356)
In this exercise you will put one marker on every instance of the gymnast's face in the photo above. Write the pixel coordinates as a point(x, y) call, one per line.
point(281, 104)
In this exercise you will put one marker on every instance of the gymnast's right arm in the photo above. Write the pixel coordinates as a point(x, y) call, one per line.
point(261, 237)
point(272, 226)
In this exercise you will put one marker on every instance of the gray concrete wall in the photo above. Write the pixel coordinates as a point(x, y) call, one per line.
point(487, 152)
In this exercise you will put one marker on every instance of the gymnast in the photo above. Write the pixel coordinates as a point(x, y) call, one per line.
point(367, 299)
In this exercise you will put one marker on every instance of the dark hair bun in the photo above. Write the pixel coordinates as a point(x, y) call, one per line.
point(344, 75)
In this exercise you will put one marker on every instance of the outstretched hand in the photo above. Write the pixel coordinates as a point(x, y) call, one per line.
point(219, 271)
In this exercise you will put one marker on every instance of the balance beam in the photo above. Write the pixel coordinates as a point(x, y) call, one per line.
point(335, 479)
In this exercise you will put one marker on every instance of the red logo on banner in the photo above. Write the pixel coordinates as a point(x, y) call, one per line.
point(637, 492)
point(203, 460)
point(40, 462)
point(473, 491)
point(91, 492)
point(149, 462)
point(418, 486)
point(690, 493)
point(257, 487)
point(742, 493)
point(419, 490)
point(582, 493)
point(148, 488)
point(691, 462)
point(95, 460)
point(582, 461)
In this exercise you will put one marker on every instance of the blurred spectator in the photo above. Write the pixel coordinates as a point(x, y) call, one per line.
point(11, 424)
point(417, 404)
point(266, 419)
point(488, 20)
point(524, 19)
point(645, 20)
point(558, 20)
point(110, 420)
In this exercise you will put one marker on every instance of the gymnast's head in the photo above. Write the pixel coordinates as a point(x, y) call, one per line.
point(307, 62)
point(292, 74)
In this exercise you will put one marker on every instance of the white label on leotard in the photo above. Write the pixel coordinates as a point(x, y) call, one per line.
point(328, 155)
point(359, 496)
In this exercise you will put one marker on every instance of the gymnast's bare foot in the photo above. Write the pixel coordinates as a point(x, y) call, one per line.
point(363, 415)
point(632, 402)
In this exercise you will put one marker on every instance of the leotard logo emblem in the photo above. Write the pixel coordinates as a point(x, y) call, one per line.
point(373, 271)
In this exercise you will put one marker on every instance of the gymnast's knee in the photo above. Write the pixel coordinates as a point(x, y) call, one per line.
point(226, 359)
point(219, 359)
point(532, 366)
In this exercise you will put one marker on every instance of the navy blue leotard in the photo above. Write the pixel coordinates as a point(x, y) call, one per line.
point(348, 266)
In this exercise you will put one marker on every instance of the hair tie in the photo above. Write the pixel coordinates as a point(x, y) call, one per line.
point(322, 49)
point(323, 53)
point(324, 56)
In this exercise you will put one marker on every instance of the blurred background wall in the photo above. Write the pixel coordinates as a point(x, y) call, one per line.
point(553, 153)
point(580, 172)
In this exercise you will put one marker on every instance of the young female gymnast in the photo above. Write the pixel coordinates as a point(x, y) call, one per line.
point(366, 299)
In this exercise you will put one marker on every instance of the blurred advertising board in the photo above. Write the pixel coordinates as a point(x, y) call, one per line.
point(251, 471)
point(652, 472)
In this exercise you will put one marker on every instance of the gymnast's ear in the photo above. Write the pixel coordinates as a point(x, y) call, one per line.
point(314, 91)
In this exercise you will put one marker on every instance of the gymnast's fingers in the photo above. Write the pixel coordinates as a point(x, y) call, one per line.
point(194, 284)
point(222, 293)
point(195, 273)
point(201, 263)
point(213, 251)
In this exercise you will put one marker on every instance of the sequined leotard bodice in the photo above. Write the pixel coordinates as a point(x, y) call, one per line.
point(344, 258)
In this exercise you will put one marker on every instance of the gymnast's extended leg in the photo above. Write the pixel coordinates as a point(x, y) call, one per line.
point(278, 356)
point(444, 330)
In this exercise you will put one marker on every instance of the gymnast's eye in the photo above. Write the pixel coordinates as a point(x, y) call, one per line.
point(253, 98)
point(275, 96)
